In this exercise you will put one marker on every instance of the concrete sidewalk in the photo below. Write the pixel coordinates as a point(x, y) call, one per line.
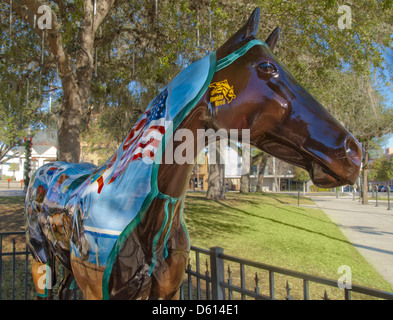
point(367, 227)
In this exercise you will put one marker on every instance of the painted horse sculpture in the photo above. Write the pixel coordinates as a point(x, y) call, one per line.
point(118, 228)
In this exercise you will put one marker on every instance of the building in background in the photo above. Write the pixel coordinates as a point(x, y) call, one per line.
point(277, 176)
point(44, 150)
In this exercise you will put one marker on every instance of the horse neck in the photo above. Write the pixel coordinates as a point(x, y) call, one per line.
point(173, 178)
point(172, 181)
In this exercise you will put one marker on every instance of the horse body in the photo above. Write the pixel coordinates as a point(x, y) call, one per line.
point(124, 238)
point(58, 190)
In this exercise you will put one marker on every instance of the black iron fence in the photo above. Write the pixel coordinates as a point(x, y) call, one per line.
point(210, 275)
point(11, 184)
point(223, 277)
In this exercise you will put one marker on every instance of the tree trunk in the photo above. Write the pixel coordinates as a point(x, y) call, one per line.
point(69, 124)
point(245, 183)
point(76, 80)
point(261, 172)
point(245, 176)
point(222, 179)
point(216, 186)
point(365, 173)
point(216, 178)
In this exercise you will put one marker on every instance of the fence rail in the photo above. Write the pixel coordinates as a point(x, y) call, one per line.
point(210, 274)
point(276, 279)
point(13, 184)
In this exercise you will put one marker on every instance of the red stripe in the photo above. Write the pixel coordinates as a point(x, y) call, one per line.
point(112, 179)
point(135, 129)
point(126, 145)
point(130, 135)
point(154, 142)
point(100, 182)
point(142, 122)
point(160, 129)
point(147, 153)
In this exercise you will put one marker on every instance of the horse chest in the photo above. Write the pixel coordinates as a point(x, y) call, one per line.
point(147, 268)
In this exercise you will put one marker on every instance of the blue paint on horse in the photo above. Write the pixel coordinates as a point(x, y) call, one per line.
point(100, 202)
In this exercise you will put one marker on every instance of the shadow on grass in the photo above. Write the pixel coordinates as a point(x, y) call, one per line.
point(12, 200)
point(11, 214)
point(211, 221)
point(287, 224)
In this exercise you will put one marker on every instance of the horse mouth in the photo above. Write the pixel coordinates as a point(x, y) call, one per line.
point(321, 175)
point(324, 179)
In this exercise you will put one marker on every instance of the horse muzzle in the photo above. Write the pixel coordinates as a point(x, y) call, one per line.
point(340, 171)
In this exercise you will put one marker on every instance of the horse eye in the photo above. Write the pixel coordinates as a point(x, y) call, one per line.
point(267, 67)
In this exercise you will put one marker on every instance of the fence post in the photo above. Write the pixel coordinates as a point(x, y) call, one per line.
point(389, 207)
point(217, 273)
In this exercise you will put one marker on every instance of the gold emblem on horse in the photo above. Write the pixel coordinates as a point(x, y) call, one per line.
point(222, 93)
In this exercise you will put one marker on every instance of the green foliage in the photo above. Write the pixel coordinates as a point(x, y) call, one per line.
point(301, 175)
point(314, 188)
point(381, 169)
point(137, 48)
point(320, 54)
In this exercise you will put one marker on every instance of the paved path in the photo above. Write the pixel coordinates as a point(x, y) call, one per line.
point(11, 192)
point(367, 227)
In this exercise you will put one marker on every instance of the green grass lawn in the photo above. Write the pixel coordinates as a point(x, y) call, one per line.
point(267, 228)
point(12, 214)
point(272, 229)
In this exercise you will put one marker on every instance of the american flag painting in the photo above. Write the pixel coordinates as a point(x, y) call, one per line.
point(153, 129)
point(145, 136)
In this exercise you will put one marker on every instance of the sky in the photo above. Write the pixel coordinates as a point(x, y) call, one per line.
point(390, 143)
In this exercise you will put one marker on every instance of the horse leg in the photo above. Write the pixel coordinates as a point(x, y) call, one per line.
point(166, 281)
point(66, 285)
point(44, 278)
point(89, 278)
point(176, 296)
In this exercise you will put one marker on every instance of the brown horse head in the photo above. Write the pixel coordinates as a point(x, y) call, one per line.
point(259, 93)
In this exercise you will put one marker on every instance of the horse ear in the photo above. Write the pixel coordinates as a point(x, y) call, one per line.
point(273, 38)
point(249, 30)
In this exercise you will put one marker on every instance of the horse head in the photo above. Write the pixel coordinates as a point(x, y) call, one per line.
point(255, 91)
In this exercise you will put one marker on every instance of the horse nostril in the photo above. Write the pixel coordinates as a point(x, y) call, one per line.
point(353, 151)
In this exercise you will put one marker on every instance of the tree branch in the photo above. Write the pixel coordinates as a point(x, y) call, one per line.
point(26, 9)
point(103, 8)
